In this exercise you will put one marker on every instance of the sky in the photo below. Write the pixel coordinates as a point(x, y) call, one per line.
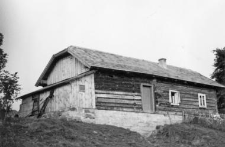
point(185, 32)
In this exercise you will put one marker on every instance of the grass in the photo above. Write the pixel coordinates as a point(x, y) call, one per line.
point(20, 132)
point(199, 132)
point(63, 133)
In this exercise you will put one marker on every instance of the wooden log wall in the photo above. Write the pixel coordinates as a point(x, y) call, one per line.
point(118, 91)
point(124, 101)
point(188, 96)
point(106, 82)
point(64, 68)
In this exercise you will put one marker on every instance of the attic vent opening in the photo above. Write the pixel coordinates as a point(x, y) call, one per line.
point(82, 88)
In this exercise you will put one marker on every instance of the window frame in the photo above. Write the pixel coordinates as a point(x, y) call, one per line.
point(170, 98)
point(199, 101)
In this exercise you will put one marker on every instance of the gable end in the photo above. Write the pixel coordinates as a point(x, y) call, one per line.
point(43, 79)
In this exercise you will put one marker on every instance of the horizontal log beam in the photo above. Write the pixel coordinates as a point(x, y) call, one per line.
point(118, 105)
point(114, 96)
point(122, 101)
point(116, 93)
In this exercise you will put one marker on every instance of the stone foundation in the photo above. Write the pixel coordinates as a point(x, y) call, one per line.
point(143, 123)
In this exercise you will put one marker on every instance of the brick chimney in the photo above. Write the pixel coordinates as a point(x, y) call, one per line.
point(162, 63)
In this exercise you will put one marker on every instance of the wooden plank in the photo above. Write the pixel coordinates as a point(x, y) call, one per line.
point(120, 109)
point(196, 101)
point(118, 105)
point(124, 101)
point(64, 68)
point(83, 99)
point(118, 96)
point(116, 92)
point(197, 105)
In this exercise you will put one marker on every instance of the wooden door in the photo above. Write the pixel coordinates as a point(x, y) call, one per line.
point(148, 103)
point(35, 109)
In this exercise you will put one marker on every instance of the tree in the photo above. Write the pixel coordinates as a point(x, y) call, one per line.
point(219, 75)
point(9, 87)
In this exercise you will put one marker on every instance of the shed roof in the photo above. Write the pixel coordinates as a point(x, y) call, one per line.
point(63, 82)
point(94, 58)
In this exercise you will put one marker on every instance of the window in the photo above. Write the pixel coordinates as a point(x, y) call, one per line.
point(82, 88)
point(202, 100)
point(174, 97)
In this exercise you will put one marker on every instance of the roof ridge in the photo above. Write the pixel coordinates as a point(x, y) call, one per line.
point(109, 53)
point(97, 58)
point(79, 47)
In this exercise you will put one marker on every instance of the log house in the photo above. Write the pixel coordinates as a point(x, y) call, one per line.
point(89, 79)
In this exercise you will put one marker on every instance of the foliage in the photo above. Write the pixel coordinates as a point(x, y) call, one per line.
point(187, 135)
point(1, 39)
point(3, 56)
point(215, 123)
point(219, 74)
point(9, 87)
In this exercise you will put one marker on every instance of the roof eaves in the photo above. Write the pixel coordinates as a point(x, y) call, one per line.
point(215, 85)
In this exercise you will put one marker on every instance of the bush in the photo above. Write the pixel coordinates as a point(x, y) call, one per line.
point(216, 123)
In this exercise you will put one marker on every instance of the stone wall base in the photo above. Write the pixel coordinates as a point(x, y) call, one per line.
point(143, 123)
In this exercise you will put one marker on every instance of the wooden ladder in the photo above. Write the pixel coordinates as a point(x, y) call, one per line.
point(42, 111)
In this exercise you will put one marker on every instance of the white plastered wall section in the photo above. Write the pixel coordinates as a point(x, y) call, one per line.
point(143, 123)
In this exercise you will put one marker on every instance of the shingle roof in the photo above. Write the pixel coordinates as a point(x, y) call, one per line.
point(94, 58)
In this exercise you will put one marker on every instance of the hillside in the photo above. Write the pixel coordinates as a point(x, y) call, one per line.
point(63, 133)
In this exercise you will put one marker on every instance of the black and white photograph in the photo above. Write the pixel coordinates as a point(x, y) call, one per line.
point(112, 73)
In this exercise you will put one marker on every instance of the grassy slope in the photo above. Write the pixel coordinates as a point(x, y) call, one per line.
point(63, 133)
point(60, 132)
point(188, 135)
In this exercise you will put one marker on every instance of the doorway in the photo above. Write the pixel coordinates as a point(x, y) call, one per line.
point(148, 101)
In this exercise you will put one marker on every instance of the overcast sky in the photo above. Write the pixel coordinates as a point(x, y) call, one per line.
point(183, 31)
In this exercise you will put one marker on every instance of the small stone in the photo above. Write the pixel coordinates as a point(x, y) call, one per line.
point(89, 116)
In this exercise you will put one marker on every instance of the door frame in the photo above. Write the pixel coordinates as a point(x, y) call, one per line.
point(153, 95)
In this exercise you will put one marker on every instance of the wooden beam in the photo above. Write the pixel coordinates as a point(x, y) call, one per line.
point(116, 93)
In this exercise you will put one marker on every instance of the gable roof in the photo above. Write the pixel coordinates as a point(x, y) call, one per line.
point(94, 58)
